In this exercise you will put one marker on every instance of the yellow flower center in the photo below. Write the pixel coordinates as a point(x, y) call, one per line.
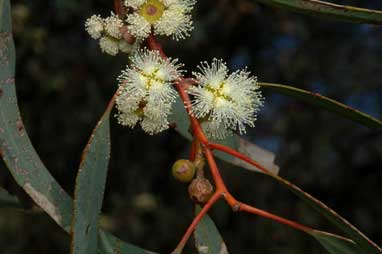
point(151, 77)
point(152, 10)
point(219, 92)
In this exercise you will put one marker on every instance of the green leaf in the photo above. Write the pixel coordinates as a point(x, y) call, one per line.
point(351, 231)
point(181, 119)
point(326, 103)
point(89, 189)
point(109, 244)
point(336, 244)
point(207, 237)
point(7, 200)
point(15, 146)
point(329, 10)
point(21, 158)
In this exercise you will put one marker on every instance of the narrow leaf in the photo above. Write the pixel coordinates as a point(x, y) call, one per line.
point(326, 103)
point(15, 146)
point(108, 244)
point(21, 158)
point(336, 244)
point(329, 10)
point(351, 231)
point(207, 237)
point(89, 189)
point(181, 119)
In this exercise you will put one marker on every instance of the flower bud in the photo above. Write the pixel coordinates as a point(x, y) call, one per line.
point(183, 170)
point(200, 190)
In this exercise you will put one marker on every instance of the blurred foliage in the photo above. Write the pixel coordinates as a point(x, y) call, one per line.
point(64, 83)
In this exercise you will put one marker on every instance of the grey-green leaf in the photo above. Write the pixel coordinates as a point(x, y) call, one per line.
point(207, 237)
point(336, 244)
point(15, 146)
point(109, 244)
point(89, 189)
point(21, 158)
point(325, 103)
point(329, 10)
point(351, 231)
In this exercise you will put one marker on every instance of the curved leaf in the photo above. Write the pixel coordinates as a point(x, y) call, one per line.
point(326, 103)
point(336, 244)
point(21, 158)
point(89, 189)
point(351, 231)
point(330, 10)
point(109, 244)
point(207, 237)
point(15, 146)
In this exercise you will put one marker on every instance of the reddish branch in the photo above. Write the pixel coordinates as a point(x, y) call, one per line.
point(221, 189)
point(207, 148)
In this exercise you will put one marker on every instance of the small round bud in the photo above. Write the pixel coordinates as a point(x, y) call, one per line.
point(200, 190)
point(183, 170)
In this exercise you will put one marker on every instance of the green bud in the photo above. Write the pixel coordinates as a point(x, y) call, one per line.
point(183, 170)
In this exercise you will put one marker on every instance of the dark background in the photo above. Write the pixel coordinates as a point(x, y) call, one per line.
point(64, 83)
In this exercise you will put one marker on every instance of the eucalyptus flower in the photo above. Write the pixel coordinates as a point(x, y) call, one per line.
point(108, 31)
point(224, 102)
point(163, 17)
point(145, 93)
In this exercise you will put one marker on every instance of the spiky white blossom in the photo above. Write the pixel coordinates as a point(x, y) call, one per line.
point(113, 25)
point(109, 45)
point(164, 17)
point(145, 91)
point(224, 102)
point(94, 26)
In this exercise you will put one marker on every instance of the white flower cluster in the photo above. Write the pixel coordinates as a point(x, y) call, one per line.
point(145, 93)
point(108, 32)
point(163, 17)
point(223, 102)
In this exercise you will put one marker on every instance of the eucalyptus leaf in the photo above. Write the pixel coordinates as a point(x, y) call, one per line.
point(336, 244)
point(329, 10)
point(325, 103)
point(207, 237)
point(350, 230)
point(89, 189)
point(21, 158)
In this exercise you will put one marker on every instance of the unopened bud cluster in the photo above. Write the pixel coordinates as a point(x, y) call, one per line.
point(162, 17)
point(108, 32)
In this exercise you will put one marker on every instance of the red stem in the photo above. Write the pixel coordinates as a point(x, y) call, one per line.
point(240, 156)
point(265, 214)
point(221, 189)
point(191, 228)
